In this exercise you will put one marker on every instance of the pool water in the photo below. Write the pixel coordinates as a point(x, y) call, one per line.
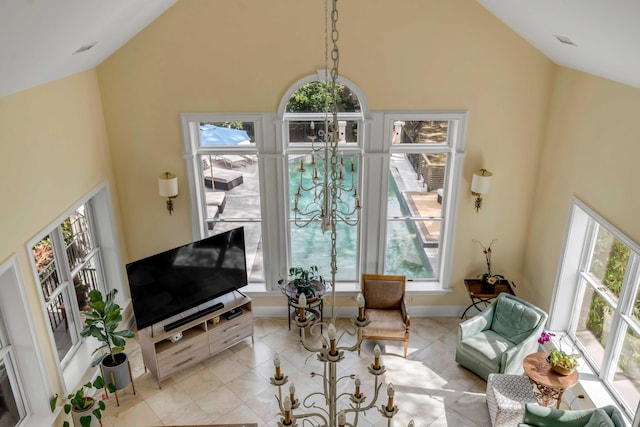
point(310, 246)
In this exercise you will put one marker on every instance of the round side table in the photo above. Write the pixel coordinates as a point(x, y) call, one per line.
point(315, 305)
point(548, 385)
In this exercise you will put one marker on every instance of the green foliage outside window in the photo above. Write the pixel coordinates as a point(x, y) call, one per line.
point(317, 97)
point(609, 262)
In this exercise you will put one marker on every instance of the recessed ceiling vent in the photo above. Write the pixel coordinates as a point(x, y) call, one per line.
point(565, 40)
point(84, 48)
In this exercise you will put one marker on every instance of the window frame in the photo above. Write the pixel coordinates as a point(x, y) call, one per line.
point(571, 281)
point(454, 149)
point(29, 364)
point(109, 271)
point(7, 356)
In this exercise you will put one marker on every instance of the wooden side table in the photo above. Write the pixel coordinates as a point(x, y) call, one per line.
point(480, 293)
point(548, 385)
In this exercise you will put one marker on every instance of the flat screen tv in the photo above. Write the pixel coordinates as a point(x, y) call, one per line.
point(185, 277)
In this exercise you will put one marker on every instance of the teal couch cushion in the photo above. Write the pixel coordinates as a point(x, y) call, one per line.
point(486, 347)
point(599, 418)
point(514, 320)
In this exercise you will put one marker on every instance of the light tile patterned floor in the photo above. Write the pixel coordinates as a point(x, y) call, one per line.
point(233, 387)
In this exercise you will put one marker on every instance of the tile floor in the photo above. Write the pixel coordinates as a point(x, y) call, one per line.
point(233, 386)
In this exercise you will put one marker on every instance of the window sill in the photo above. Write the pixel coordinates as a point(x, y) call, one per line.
point(594, 390)
point(352, 288)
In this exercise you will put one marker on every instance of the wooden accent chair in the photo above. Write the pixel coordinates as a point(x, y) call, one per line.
point(386, 307)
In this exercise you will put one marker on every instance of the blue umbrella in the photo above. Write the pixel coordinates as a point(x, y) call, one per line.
point(216, 135)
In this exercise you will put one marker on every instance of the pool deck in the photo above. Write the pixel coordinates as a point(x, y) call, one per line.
point(418, 200)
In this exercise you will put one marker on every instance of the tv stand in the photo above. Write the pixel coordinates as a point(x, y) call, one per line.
point(226, 322)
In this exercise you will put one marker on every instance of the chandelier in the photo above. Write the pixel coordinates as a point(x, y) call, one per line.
point(328, 191)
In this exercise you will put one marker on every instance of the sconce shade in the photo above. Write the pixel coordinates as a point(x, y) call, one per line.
point(168, 185)
point(481, 181)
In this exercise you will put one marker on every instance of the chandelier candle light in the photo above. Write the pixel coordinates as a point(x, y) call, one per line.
point(327, 206)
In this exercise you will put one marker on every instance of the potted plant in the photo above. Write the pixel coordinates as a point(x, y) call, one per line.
point(563, 363)
point(86, 411)
point(304, 280)
point(101, 322)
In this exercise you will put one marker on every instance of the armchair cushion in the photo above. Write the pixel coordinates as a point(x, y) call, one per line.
point(382, 294)
point(487, 347)
point(599, 418)
point(385, 323)
point(514, 320)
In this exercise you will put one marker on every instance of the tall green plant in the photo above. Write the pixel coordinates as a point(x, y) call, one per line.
point(101, 323)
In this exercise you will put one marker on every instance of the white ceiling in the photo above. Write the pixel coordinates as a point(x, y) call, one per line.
point(606, 33)
point(39, 37)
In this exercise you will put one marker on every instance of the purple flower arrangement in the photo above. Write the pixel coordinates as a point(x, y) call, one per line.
point(545, 337)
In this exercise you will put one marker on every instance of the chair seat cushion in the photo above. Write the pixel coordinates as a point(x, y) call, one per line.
point(385, 323)
point(487, 348)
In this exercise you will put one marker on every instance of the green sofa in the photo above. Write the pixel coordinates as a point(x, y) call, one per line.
point(500, 337)
point(541, 416)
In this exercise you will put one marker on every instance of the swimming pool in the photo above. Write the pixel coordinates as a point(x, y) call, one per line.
point(309, 246)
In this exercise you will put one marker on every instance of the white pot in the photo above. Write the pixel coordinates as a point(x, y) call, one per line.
point(77, 415)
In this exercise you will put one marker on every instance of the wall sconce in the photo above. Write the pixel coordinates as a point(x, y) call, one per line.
point(480, 185)
point(168, 187)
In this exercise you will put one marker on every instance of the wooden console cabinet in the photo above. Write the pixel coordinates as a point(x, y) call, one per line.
point(201, 338)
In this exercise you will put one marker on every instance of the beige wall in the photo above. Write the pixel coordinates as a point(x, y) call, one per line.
point(241, 56)
point(54, 151)
point(591, 151)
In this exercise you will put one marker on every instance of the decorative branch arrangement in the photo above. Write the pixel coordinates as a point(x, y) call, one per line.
point(488, 277)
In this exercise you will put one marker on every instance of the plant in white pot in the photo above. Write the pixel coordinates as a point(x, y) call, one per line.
point(86, 411)
point(101, 323)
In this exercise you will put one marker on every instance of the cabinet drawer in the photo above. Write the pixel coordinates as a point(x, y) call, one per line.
point(230, 327)
point(230, 338)
point(177, 350)
point(182, 361)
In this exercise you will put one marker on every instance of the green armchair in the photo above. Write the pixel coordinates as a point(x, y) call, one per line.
point(500, 337)
point(541, 416)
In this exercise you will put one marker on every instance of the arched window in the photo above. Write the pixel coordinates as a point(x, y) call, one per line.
point(306, 120)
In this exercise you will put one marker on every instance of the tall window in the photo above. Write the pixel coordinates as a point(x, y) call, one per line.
point(226, 182)
point(68, 264)
point(417, 176)
point(12, 409)
point(306, 124)
point(599, 287)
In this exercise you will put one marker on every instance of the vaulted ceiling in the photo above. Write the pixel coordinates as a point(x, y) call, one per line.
point(44, 40)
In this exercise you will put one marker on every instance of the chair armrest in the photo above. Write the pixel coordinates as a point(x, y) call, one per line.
point(520, 351)
point(405, 313)
point(476, 324)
